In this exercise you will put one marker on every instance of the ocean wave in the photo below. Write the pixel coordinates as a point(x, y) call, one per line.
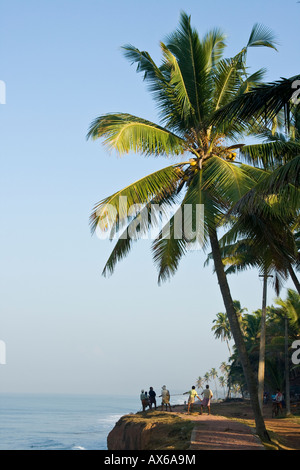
point(111, 419)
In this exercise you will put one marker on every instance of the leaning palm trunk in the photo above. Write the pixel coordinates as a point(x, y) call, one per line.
point(237, 335)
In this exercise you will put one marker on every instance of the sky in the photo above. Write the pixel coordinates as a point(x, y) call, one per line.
point(66, 328)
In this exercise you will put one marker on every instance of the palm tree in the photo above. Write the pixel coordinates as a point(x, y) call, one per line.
point(269, 245)
point(207, 377)
point(222, 329)
point(225, 368)
point(214, 374)
point(222, 382)
point(200, 382)
point(193, 82)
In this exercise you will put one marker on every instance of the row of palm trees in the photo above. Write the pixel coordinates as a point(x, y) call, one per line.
point(282, 329)
point(208, 107)
point(213, 374)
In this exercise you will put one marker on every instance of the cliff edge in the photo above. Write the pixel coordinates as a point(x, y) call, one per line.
point(150, 431)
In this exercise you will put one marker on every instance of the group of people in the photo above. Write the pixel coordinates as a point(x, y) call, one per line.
point(205, 402)
point(149, 399)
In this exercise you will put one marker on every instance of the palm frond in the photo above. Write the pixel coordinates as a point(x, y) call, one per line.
point(251, 81)
point(264, 101)
point(148, 217)
point(226, 180)
point(270, 154)
point(114, 209)
point(288, 174)
point(214, 43)
point(173, 241)
point(261, 36)
point(177, 84)
point(127, 133)
point(168, 251)
point(194, 59)
point(228, 80)
point(172, 108)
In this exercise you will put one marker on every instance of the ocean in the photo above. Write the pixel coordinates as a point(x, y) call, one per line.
point(60, 422)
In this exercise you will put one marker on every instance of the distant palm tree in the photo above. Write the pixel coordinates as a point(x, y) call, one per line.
point(225, 368)
point(223, 382)
point(221, 329)
point(214, 374)
point(191, 85)
point(200, 382)
point(290, 307)
point(207, 377)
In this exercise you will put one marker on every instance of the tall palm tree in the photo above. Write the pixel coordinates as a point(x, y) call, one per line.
point(271, 247)
point(269, 242)
point(193, 82)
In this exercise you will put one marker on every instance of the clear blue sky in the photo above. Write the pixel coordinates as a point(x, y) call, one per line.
point(66, 328)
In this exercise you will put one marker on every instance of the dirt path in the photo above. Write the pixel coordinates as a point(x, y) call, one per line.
point(219, 433)
point(215, 432)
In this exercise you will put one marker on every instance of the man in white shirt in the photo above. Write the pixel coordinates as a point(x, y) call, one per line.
point(207, 395)
point(165, 398)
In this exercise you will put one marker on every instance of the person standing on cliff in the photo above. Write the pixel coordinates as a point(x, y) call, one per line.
point(144, 400)
point(192, 395)
point(165, 398)
point(152, 398)
point(207, 395)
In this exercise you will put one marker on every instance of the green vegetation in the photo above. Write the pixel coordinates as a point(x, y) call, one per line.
point(277, 315)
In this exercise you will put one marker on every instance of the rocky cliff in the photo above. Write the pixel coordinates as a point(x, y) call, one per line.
point(150, 431)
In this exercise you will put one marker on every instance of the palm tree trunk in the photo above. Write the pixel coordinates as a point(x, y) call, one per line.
point(294, 278)
point(237, 336)
point(262, 345)
point(228, 347)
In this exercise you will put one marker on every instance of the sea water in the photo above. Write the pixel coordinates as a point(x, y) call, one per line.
point(60, 422)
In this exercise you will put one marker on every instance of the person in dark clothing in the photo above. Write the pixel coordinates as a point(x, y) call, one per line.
point(152, 398)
